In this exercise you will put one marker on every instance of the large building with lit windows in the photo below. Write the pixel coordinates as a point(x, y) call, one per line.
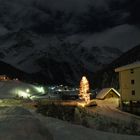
point(129, 82)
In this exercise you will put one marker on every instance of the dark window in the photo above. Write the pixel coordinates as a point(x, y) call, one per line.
point(132, 70)
point(132, 82)
point(133, 92)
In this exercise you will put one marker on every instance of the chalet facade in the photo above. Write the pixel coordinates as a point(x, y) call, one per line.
point(107, 93)
point(129, 82)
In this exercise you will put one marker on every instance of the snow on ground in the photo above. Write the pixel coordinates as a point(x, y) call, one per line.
point(66, 131)
point(109, 108)
point(19, 124)
point(11, 88)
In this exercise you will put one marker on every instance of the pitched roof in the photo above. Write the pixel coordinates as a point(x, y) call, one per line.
point(127, 67)
point(105, 91)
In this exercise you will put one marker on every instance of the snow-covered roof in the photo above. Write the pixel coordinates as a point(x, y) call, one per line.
point(105, 91)
point(127, 67)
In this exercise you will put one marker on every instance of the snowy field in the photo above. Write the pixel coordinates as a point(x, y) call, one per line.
point(12, 89)
point(66, 131)
point(109, 108)
point(25, 124)
point(17, 123)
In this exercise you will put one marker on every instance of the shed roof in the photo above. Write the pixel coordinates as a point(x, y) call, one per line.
point(127, 67)
point(105, 91)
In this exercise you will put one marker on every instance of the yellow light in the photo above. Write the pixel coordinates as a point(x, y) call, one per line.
point(84, 90)
point(82, 104)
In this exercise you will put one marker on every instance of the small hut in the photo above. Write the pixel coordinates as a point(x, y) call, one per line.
point(107, 93)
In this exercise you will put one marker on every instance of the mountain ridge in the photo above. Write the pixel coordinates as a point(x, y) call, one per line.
point(43, 41)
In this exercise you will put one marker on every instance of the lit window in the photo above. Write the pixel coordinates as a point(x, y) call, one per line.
point(133, 92)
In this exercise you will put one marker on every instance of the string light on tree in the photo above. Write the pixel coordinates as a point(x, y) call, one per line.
point(84, 90)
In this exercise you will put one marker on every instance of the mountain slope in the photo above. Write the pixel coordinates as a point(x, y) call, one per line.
point(71, 56)
point(51, 55)
point(107, 76)
point(11, 71)
point(60, 44)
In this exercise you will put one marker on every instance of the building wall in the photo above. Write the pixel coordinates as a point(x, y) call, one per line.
point(126, 87)
point(111, 94)
point(3, 77)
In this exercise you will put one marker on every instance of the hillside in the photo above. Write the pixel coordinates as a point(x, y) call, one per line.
point(12, 72)
point(107, 76)
point(45, 38)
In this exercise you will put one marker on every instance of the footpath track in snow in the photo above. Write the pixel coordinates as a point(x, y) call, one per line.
point(109, 109)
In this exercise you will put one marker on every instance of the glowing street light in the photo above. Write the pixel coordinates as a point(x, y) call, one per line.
point(27, 90)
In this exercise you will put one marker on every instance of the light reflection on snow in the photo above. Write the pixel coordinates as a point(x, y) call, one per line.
point(23, 94)
point(39, 89)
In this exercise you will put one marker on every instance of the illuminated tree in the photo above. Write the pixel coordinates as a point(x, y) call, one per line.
point(84, 90)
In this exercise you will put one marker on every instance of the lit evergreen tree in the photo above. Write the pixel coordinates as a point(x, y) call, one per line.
point(84, 90)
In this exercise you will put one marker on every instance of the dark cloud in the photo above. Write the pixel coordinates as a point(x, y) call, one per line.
point(73, 5)
point(134, 8)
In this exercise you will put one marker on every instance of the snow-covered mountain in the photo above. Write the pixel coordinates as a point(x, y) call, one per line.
point(107, 77)
point(61, 43)
point(51, 55)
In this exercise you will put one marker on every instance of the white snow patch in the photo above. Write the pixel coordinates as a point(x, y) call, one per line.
point(12, 89)
point(19, 124)
point(67, 131)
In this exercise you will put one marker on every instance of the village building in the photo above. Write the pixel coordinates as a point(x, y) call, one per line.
point(107, 93)
point(129, 82)
point(4, 78)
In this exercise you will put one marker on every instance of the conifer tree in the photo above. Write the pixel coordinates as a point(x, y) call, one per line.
point(84, 90)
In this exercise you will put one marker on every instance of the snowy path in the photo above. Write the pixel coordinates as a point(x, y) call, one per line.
point(109, 109)
point(17, 123)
